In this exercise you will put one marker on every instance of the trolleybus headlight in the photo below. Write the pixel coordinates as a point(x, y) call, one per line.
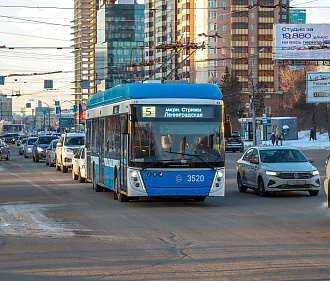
point(136, 180)
point(218, 180)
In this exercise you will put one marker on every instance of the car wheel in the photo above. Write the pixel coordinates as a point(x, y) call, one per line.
point(47, 163)
point(80, 178)
point(240, 185)
point(8, 154)
point(37, 159)
point(115, 189)
point(261, 188)
point(63, 168)
point(74, 176)
point(33, 158)
point(25, 156)
point(313, 192)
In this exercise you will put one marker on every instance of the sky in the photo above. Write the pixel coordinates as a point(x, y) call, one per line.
point(35, 32)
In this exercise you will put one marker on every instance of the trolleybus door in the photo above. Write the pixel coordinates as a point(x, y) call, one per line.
point(124, 156)
point(101, 155)
point(88, 150)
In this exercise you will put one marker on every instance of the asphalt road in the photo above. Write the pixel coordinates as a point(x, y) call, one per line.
point(53, 228)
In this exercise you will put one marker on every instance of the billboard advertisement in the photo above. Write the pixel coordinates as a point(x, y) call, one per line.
point(318, 87)
point(67, 122)
point(82, 113)
point(295, 41)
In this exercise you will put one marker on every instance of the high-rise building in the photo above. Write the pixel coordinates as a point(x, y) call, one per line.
point(252, 24)
point(298, 16)
point(238, 34)
point(84, 38)
point(120, 43)
point(6, 108)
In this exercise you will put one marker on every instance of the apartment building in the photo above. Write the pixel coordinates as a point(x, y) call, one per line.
point(120, 43)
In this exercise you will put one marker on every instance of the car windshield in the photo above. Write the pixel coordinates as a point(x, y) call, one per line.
point(24, 141)
point(45, 140)
point(31, 141)
point(74, 141)
point(281, 155)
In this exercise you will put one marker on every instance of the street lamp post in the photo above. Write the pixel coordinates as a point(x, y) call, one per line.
point(48, 116)
point(249, 59)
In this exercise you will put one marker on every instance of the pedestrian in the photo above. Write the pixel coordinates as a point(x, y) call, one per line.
point(312, 134)
point(276, 139)
point(281, 139)
point(273, 138)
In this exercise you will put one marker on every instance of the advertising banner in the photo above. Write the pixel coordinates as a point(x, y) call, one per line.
point(82, 113)
point(67, 122)
point(318, 87)
point(296, 41)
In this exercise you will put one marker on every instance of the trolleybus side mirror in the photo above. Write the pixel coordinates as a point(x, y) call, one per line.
point(124, 125)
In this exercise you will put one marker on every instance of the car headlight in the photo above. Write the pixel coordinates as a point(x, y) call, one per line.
point(315, 173)
point(40, 149)
point(68, 150)
point(272, 173)
point(29, 149)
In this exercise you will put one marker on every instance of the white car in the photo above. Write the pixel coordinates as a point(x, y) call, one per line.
point(28, 148)
point(271, 169)
point(78, 165)
point(66, 147)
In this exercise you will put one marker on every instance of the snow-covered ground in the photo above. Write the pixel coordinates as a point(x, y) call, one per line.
point(303, 142)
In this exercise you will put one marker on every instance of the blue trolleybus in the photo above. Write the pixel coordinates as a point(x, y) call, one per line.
point(156, 139)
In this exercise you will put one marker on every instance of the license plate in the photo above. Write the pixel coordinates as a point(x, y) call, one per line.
point(296, 182)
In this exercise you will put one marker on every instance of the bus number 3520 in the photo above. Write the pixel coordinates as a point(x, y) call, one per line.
point(195, 178)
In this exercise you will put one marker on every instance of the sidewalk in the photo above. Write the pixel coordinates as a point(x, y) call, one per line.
point(303, 142)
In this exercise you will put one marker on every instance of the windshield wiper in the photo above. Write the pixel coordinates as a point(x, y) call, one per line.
point(153, 164)
point(193, 155)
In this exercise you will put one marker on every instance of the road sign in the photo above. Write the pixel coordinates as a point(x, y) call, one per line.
point(247, 105)
point(264, 121)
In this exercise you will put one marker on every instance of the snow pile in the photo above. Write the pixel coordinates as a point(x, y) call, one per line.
point(303, 142)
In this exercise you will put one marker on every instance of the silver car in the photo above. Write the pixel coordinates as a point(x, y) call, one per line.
point(4, 151)
point(28, 148)
point(50, 153)
point(269, 169)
